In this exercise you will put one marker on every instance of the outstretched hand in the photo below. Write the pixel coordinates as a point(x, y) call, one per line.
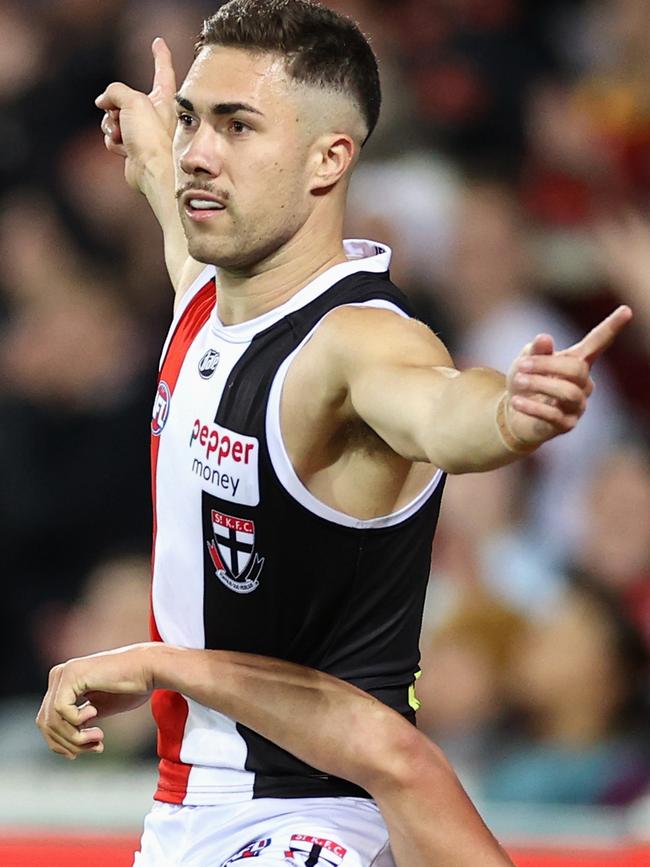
point(81, 690)
point(548, 390)
point(138, 126)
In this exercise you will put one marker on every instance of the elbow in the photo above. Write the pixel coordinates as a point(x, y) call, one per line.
point(397, 755)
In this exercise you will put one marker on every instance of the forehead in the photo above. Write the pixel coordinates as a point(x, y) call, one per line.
point(227, 75)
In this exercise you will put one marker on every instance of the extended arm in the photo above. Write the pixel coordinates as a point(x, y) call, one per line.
point(351, 735)
point(397, 377)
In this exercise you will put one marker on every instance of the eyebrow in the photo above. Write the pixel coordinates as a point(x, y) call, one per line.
point(221, 108)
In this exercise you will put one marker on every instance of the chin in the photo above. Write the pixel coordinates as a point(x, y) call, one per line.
point(207, 251)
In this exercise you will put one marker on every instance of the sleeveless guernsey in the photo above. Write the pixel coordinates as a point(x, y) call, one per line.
point(247, 559)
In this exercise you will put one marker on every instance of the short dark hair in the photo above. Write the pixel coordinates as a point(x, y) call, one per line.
point(320, 47)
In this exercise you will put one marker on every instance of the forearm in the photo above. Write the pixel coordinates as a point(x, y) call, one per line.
point(430, 818)
point(274, 698)
point(350, 735)
point(464, 435)
point(158, 187)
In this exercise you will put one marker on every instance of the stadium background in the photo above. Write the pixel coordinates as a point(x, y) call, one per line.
point(511, 174)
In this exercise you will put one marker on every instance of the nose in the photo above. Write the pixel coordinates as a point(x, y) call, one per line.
point(200, 155)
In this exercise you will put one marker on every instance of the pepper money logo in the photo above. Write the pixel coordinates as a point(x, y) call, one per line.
point(160, 412)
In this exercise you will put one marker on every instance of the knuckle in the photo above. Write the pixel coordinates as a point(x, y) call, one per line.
point(575, 394)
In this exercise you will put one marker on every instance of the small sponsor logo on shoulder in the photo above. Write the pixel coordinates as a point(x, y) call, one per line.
point(208, 363)
point(160, 412)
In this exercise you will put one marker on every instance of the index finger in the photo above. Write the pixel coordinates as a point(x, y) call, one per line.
point(164, 77)
point(603, 335)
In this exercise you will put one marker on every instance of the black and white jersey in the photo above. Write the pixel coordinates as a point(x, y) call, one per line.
point(247, 559)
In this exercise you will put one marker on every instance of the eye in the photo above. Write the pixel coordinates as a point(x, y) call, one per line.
point(238, 127)
point(185, 120)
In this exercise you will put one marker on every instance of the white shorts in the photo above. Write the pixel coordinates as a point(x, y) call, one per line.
point(276, 832)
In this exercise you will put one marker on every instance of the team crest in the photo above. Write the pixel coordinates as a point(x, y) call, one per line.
point(233, 552)
point(309, 851)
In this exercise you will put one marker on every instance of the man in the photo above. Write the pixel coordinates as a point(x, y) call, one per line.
point(301, 431)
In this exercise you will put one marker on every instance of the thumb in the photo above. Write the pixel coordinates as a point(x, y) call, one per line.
point(67, 696)
point(164, 78)
point(117, 96)
point(543, 344)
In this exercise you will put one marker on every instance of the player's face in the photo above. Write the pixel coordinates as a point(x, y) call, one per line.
point(241, 152)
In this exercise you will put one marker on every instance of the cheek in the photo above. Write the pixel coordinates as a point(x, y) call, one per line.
point(280, 171)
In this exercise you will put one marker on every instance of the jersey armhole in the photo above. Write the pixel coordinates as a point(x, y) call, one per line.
point(285, 471)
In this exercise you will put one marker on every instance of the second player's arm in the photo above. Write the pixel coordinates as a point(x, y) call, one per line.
point(349, 734)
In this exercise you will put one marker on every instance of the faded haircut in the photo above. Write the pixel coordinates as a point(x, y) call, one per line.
point(320, 47)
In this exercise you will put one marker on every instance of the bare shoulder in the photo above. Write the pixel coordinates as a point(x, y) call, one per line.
point(358, 336)
point(353, 340)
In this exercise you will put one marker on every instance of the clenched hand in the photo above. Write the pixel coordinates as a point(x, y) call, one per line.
point(83, 689)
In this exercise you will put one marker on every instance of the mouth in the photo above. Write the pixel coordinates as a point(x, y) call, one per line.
point(200, 206)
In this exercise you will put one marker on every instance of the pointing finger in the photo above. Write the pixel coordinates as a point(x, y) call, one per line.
point(603, 335)
point(164, 79)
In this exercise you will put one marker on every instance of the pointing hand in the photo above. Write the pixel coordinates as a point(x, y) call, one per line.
point(137, 126)
point(547, 391)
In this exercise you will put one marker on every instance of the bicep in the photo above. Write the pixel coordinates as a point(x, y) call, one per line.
point(400, 403)
point(395, 372)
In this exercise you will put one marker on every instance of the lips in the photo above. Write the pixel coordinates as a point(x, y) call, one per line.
point(205, 205)
point(200, 206)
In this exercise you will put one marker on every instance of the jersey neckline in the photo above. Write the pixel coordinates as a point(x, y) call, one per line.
point(363, 255)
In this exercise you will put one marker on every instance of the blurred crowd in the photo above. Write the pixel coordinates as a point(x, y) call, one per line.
point(511, 175)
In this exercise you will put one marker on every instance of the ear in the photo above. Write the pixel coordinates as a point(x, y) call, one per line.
point(333, 156)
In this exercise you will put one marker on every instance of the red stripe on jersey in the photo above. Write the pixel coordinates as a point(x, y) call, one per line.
point(170, 708)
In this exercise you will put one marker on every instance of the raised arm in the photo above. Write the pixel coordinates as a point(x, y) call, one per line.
point(397, 377)
point(351, 735)
point(139, 128)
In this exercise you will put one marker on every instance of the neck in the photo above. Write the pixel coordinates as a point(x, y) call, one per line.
point(244, 296)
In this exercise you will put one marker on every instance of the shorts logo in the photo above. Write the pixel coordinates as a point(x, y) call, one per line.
point(309, 851)
point(250, 850)
point(233, 552)
point(160, 412)
point(208, 363)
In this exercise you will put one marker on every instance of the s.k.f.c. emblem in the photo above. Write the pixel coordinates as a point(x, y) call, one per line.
point(232, 551)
